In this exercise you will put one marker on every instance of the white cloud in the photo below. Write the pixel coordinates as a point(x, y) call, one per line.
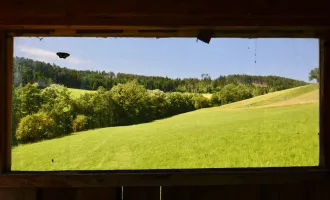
point(48, 56)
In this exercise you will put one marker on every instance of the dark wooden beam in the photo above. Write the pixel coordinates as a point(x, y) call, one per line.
point(6, 61)
point(324, 46)
point(2, 103)
point(18, 194)
point(161, 32)
point(165, 13)
point(164, 177)
point(145, 193)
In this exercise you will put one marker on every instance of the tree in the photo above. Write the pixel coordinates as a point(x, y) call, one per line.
point(59, 106)
point(133, 101)
point(314, 74)
point(99, 108)
point(31, 71)
point(159, 103)
point(35, 127)
point(79, 123)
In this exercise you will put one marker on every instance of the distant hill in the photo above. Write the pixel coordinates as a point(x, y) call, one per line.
point(29, 71)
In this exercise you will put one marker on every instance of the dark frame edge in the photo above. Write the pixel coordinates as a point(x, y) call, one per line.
point(146, 177)
point(324, 66)
point(6, 58)
point(165, 178)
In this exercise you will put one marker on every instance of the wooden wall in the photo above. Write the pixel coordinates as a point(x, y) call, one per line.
point(298, 191)
point(170, 13)
point(69, 17)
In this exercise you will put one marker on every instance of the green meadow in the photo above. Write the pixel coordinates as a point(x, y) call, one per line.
point(273, 130)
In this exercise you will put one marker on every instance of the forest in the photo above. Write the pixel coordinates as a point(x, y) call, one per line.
point(30, 71)
point(43, 107)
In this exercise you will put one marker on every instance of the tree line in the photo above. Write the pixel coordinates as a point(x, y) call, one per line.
point(45, 113)
point(31, 71)
point(43, 107)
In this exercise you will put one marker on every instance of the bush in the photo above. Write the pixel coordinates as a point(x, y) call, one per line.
point(215, 99)
point(80, 123)
point(159, 103)
point(133, 103)
point(99, 108)
point(200, 101)
point(179, 103)
point(35, 127)
point(58, 104)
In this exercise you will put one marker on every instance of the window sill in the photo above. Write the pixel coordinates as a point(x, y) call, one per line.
point(165, 177)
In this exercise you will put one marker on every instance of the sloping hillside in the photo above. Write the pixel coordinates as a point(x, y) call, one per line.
point(302, 94)
point(234, 135)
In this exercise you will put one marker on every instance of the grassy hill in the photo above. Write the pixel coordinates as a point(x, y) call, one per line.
point(75, 93)
point(277, 129)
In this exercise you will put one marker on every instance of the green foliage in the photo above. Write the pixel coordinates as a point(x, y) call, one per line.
point(133, 101)
point(259, 90)
point(158, 103)
point(26, 100)
point(212, 138)
point(57, 102)
point(79, 123)
point(179, 103)
point(216, 99)
point(30, 71)
point(232, 93)
point(314, 74)
point(99, 107)
point(122, 99)
point(200, 101)
point(35, 127)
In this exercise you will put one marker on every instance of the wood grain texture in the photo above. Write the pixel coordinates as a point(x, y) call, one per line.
point(238, 192)
point(324, 44)
point(165, 12)
point(18, 194)
point(57, 193)
point(159, 32)
point(6, 61)
point(141, 193)
point(163, 177)
point(319, 191)
point(294, 191)
point(2, 103)
point(101, 193)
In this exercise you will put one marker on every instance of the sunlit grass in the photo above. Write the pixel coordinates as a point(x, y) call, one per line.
point(75, 93)
point(208, 138)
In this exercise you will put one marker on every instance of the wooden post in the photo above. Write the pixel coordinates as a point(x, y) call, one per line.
point(6, 61)
point(324, 101)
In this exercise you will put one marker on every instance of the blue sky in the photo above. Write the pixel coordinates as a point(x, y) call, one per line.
point(178, 57)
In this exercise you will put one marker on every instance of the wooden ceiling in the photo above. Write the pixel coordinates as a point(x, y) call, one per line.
point(165, 18)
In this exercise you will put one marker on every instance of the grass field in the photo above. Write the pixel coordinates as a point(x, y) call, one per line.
point(75, 93)
point(265, 131)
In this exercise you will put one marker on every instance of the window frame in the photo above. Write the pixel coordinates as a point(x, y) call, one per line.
point(166, 177)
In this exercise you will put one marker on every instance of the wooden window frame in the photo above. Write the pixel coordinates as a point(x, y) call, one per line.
point(171, 177)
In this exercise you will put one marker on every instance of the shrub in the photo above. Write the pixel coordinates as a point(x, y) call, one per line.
point(200, 101)
point(215, 99)
point(158, 103)
point(79, 123)
point(58, 104)
point(133, 103)
point(35, 127)
point(179, 103)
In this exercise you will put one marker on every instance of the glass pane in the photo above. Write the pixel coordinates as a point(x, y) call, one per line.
point(124, 103)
